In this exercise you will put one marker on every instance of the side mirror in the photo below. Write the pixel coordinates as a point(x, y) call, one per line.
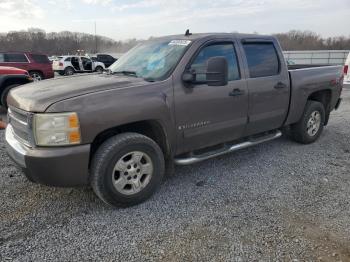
point(188, 77)
point(217, 71)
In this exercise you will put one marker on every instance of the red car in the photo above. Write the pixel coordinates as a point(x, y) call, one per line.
point(38, 65)
point(11, 77)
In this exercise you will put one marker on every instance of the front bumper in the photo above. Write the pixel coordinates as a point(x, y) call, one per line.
point(62, 166)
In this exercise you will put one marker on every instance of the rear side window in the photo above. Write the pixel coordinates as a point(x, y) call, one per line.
point(67, 59)
point(41, 59)
point(15, 58)
point(262, 59)
point(225, 50)
point(2, 58)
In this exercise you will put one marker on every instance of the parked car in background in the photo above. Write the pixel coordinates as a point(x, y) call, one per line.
point(11, 77)
point(346, 70)
point(106, 59)
point(38, 65)
point(54, 58)
point(69, 65)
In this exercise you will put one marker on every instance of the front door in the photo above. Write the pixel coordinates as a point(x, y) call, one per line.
point(86, 64)
point(209, 115)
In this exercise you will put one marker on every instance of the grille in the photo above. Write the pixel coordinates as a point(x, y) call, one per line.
point(20, 121)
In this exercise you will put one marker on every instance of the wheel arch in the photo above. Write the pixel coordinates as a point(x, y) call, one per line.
point(38, 71)
point(325, 98)
point(69, 66)
point(12, 80)
point(150, 128)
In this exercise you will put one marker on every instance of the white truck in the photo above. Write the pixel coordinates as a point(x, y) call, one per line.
point(69, 65)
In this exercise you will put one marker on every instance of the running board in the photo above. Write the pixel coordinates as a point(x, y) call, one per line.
point(226, 149)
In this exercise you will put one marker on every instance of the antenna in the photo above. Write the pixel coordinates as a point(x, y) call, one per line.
point(188, 32)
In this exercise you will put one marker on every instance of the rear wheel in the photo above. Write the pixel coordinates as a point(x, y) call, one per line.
point(4, 94)
point(69, 71)
point(310, 126)
point(127, 169)
point(99, 69)
point(37, 76)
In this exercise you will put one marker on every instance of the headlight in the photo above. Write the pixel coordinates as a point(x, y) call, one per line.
point(56, 129)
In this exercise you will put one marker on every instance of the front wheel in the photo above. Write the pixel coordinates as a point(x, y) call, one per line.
point(127, 169)
point(310, 126)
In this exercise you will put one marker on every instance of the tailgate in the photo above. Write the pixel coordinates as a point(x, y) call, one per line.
point(55, 65)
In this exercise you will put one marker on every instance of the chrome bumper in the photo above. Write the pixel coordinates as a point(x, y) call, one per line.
point(15, 149)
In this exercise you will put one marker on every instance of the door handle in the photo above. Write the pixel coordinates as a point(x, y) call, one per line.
point(280, 85)
point(236, 92)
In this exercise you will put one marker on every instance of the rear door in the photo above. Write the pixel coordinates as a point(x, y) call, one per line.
point(208, 115)
point(86, 64)
point(268, 85)
point(76, 63)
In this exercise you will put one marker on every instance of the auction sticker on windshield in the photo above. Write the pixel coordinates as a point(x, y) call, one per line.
point(180, 42)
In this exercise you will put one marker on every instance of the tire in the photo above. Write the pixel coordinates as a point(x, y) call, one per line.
point(310, 126)
point(4, 94)
point(36, 75)
point(120, 176)
point(99, 69)
point(68, 71)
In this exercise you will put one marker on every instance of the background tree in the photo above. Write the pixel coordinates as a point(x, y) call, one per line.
point(66, 42)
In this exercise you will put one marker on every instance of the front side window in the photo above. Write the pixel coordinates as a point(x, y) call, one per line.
point(15, 58)
point(262, 59)
point(85, 60)
point(225, 50)
point(2, 58)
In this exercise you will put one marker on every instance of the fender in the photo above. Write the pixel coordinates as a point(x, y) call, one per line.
point(101, 111)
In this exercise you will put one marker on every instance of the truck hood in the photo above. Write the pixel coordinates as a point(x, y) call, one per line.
point(38, 96)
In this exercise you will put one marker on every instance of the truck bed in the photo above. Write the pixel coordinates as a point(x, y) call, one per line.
point(308, 79)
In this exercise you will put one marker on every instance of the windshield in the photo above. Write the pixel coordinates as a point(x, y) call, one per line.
point(151, 60)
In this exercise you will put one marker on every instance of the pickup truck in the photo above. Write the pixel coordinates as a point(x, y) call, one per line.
point(172, 100)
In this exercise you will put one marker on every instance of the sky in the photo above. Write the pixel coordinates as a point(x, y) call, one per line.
point(126, 19)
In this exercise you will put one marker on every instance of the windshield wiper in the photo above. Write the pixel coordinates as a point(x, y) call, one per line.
point(149, 79)
point(126, 72)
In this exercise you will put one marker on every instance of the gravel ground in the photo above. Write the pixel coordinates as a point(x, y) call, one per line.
point(278, 201)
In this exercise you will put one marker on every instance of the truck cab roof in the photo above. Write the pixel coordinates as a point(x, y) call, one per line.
point(201, 36)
